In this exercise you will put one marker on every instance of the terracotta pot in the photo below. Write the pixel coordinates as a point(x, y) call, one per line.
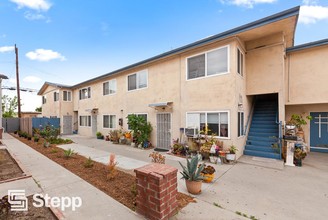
point(128, 135)
point(208, 177)
point(194, 187)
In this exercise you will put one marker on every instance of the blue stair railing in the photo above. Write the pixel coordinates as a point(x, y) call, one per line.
point(280, 135)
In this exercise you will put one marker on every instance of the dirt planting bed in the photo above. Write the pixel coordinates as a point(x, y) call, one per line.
point(122, 188)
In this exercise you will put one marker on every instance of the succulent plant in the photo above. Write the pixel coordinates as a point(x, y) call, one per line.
point(192, 171)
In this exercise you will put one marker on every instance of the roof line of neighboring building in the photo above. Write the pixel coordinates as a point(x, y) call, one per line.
point(270, 19)
point(308, 45)
point(45, 84)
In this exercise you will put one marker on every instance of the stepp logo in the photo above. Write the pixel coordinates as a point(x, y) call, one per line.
point(17, 200)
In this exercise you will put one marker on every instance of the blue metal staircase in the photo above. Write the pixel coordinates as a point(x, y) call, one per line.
point(263, 131)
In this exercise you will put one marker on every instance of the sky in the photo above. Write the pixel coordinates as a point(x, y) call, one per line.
point(70, 41)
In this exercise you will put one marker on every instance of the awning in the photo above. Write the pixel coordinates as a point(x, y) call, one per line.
point(160, 105)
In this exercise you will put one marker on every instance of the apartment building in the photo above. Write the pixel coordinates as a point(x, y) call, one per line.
point(226, 81)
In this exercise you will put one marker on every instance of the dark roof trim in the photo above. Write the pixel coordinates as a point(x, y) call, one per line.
point(270, 19)
point(308, 45)
point(57, 85)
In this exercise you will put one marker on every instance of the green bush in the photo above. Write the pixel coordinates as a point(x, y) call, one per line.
point(140, 127)
point(69, 153)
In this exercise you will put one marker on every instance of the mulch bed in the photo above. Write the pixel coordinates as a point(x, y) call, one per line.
point(8, 167)
point(122, 188)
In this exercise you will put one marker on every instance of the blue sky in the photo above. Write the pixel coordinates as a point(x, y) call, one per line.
point(69, 41)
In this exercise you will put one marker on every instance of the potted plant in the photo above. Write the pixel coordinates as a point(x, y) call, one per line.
point(36, 138)
point(141, 130)
point(231, 155)
point(192, 176)
point(99, 135)
point(208, 173)
point(299, 120)
point(299, 155)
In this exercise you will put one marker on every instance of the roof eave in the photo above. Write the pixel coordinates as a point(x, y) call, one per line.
point(319, 43)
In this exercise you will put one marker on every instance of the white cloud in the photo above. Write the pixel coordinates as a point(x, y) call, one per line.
point(7, 49)
point(310, 14)
point(310, 2)
point(12, 81)
point(31, 79)
point(33, 16)
point(44, 55)
point(40, 5)
point(247, 3)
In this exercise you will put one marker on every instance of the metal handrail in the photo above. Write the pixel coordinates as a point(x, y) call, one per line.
point(249, 116)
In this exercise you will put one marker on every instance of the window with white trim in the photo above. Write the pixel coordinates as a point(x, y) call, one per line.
point(217, 122)
point(210, 63)
point(240, 62)
point(143, 115)
point(67, 96)
point(109, 87)
point(85, 93)
point(85, 121)
point(138, 80)
point(56, 96)
point(240, 124)
point(44, 99)
point(109, 121)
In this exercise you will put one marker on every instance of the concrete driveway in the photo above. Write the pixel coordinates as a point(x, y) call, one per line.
point(249, 190)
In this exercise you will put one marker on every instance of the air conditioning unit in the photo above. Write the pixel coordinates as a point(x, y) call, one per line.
point(191, 132)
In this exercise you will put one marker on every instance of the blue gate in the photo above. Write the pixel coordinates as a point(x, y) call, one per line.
point(319, 132)
point(43, 122)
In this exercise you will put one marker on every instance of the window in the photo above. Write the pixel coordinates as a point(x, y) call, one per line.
point(85, 93)
point(210, 63)
point(138, 80)
point(85, 121)
point(240, 124)
point(56, 96)
point(67, 96)
point(143, 115)
point(109, 121)
point(109, 87)
point(240, 62)
point(217, 122)
point(44, 99)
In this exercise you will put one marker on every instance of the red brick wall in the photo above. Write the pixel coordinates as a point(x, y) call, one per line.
point(156, 191)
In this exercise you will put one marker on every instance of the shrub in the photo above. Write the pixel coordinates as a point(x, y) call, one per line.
point(88, 163)
point(157, 158)
point(141, 129)
point(68, 153)
point(112, 172)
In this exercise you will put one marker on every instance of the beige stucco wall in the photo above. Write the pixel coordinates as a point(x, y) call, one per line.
point(167, 83)
point(306, 76)
point(265, 65)
point(50, 108)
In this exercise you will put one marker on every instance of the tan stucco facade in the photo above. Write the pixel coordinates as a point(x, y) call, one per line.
point(267, 69)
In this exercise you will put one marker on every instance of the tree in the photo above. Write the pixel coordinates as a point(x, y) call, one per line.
point(9, 105)
point(38, 109)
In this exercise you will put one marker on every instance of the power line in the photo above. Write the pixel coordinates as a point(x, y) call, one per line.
point(21, 89)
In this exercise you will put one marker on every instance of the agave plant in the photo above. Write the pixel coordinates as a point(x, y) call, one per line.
point(192, 171)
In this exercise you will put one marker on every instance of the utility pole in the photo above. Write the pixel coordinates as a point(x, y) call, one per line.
point(17, 79)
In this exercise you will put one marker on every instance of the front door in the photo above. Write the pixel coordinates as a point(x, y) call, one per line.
point(164, 131)
point(319, 131)
point(67, 124)
point(94, 124)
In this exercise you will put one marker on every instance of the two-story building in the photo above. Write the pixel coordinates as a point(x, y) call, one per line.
point(226, 81)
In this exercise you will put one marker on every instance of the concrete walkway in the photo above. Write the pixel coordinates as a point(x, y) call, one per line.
point(54, 180)
point(248, 188)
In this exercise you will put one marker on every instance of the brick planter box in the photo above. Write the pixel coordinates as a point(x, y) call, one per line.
point(157, 191)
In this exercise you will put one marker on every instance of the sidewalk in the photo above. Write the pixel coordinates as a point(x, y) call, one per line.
point(55, 180)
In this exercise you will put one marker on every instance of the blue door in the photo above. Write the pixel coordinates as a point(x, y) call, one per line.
point(319, 131)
